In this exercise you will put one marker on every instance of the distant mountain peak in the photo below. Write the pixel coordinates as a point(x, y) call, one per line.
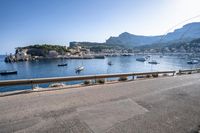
point(126, 33)
point(187, 32)
point(192, 24)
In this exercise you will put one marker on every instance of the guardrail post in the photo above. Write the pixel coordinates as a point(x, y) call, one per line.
point(95, 80)
point(173, 73)
point(179, 72)
point(133, 77)
point(32, 85)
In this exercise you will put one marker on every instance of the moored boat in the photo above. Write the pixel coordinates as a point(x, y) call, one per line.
point(7, 72)
point(193, 62)
point(126, 54)
point(142, 59)
point(79, 68)
point(65, 64)
point(154, 62)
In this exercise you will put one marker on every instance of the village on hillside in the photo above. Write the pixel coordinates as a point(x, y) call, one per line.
point(87, 50)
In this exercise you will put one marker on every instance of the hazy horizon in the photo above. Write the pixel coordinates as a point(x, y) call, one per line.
point(27, 22)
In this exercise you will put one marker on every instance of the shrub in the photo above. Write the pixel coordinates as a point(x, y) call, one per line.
point(155, 75)
point(87, 82)
point(165, 74)
point(189, 72)
point(140, 77)
point(100, 81)
point(123, 78)
point(148, 75)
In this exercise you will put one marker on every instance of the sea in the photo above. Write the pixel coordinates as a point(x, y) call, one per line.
point(121, 64)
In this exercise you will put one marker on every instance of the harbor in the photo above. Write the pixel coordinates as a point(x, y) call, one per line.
point(99, 66)
point(49, 68)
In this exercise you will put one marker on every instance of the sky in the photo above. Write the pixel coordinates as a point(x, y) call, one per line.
point(27, 22)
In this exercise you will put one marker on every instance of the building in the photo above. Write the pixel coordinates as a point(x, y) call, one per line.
point(53, 54)
point(22, 55)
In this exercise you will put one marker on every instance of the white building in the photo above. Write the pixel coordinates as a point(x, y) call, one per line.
point(22, 55)
point(53, 54)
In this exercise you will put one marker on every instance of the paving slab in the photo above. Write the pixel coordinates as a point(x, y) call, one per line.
point(102, 116)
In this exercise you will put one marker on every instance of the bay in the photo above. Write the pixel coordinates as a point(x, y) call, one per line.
point(121, 64)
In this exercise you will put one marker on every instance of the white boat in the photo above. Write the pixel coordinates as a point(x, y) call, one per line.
point(63, 64)
point(193, 62)
point(142, 59)
point(80, 68)
point(153, 62)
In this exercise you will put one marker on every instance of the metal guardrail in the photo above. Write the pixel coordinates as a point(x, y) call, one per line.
point(189, 70)
point(75, 78)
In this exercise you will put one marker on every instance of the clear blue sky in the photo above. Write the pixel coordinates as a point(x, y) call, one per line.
point(24, 22)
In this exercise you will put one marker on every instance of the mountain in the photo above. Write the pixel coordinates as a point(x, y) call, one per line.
point(187, 33)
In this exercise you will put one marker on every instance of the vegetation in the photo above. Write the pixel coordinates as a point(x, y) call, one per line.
point(184, 46)
point(95, 47)
point(100, 81)
point(189, 72)
point(148, 76)
point(43, 50)
point(123, 78)
point(87, 82)
point(155, 75)
point(165, 74)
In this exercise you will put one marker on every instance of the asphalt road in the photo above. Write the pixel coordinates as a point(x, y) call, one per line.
point(160, 105)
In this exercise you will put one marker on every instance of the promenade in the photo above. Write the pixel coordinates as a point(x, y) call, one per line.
point(157, 105)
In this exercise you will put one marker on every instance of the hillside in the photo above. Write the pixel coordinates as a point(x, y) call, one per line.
point(180, 47)
point(193, 46)
point(94, 46)
point(43, 50)
point(187, 33)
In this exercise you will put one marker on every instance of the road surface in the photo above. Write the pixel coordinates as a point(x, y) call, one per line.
point(159, 105)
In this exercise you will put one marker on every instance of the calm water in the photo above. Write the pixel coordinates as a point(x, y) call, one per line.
point(123, 64)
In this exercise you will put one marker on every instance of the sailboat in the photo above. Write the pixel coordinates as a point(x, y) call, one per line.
point(80, 68)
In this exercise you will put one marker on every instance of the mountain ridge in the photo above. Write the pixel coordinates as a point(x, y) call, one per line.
point(186, 33)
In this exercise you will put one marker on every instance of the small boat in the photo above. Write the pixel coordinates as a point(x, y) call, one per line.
point(148, 57)
point(62, 64)
point(193, 62)
point(110, 63)
point(7, 72)
point(99, 57)
point(125, 54)
point(154, 62)
point(141, 59)
point(80, 68)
